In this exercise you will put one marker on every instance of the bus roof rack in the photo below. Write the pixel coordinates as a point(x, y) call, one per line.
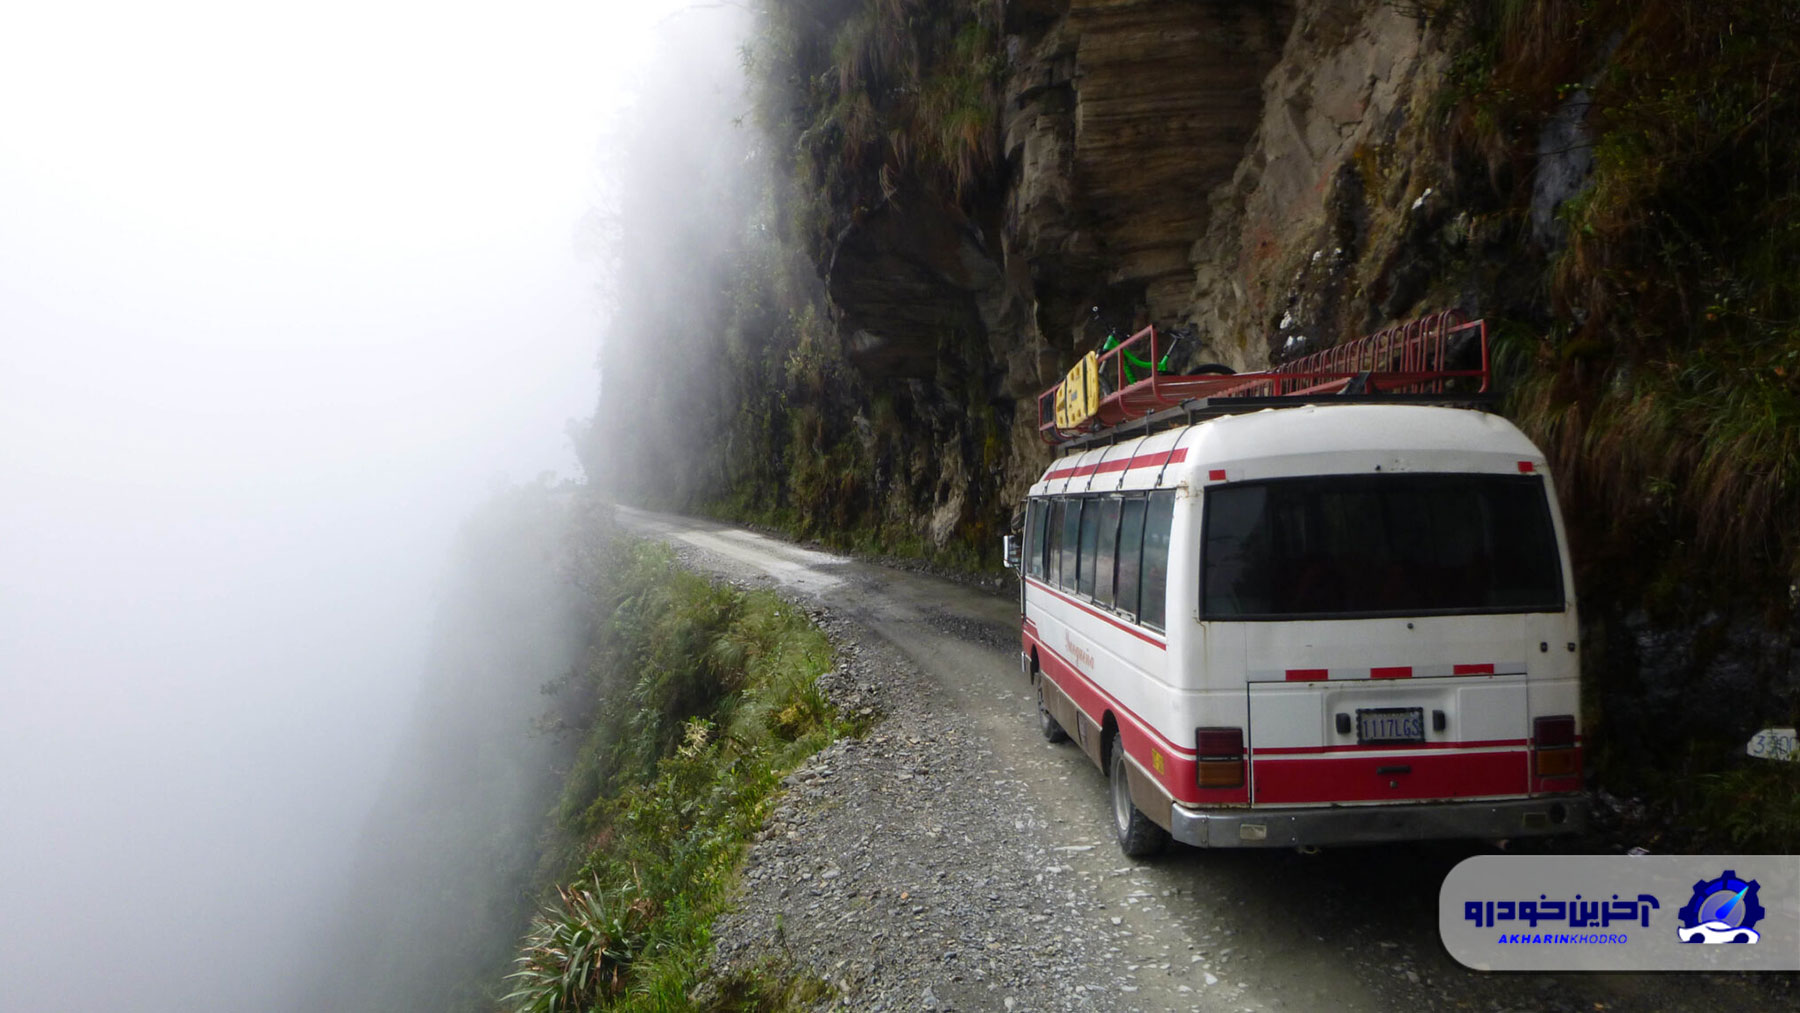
point(1441, 359)
point(1200, 409)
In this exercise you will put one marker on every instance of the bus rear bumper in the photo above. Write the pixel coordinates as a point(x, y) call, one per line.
point(1375, 824)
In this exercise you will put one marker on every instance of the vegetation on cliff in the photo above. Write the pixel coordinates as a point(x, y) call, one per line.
point(726, 361)
point(1667, 379)
point(894, 92)
point(1659, 363)
point(702, 698)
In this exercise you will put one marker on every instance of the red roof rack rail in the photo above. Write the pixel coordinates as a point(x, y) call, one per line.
point(1412, 358)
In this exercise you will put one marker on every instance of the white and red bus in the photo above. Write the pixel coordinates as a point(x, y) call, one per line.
point(1328, 623)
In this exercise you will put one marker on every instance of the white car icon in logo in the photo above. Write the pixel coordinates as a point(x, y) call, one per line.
point(1717, 932)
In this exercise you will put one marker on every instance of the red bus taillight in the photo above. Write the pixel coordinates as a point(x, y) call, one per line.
point(1553, 752)
point(1221, 757)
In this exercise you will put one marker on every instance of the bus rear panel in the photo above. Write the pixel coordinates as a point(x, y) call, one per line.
point(1317, 625)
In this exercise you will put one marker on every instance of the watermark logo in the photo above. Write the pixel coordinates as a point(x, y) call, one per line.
point(1574, 913)
point(1723, 910)
point(1623, 912)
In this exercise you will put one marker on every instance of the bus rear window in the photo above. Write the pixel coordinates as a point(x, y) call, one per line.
point(1362, 545)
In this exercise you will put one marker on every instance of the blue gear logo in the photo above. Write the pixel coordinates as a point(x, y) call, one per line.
point(1723, 910)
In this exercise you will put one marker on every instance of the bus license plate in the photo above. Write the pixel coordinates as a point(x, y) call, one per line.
point(1390, 724)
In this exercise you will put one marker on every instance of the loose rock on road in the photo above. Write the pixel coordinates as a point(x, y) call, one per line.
point(952, 859)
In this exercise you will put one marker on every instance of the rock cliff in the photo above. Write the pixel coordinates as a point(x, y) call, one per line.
point(956, 198)
point(1256, 171)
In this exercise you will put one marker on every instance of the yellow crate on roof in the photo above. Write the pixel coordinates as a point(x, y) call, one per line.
point(1078, 399)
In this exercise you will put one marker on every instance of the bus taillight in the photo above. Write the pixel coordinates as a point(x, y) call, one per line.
point(1553, 747)
point(1221, 757)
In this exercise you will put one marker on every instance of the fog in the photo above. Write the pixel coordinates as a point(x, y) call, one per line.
point(284, 296)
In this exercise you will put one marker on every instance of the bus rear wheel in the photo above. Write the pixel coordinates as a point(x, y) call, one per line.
point(1139, 837)
point(1047, 723)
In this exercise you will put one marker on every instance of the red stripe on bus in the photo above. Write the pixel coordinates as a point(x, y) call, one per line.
point(1307, 674)
point(1122, 464)
point(1472, 669)
point(1390, 748)
point(1178, 778)
point(1109, 702)
point(1358, 779)
point(1112, 703)
point(1128, 628)
point(1397, 672)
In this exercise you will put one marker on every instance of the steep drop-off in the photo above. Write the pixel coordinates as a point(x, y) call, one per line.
point(440, 886)
point(943, 202)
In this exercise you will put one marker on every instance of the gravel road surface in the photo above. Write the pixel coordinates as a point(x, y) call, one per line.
point(954, 860)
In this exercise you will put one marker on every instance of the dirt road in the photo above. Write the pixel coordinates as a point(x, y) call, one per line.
point(953, 859)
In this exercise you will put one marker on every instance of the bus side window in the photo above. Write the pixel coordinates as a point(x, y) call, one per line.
point(1153, 596)
point(1107, 558)
point(1090, 542)
point(1053, 544)
point(1131, 540)
point(1034, 539)
point(1071, 537)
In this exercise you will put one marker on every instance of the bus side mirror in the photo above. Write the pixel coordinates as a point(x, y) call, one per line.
point(1009, 551)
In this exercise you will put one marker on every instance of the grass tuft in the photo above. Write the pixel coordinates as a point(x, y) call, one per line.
point(576, 949)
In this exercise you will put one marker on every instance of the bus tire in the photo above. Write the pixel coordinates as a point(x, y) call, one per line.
point(1138, 836)
point(1047, 723)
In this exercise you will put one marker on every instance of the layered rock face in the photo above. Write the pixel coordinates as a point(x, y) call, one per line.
point(1200, 164)
point(1122, 119)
